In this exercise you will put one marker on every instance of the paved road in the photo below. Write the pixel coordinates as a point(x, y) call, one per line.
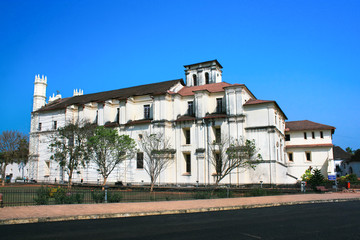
point(309, 221)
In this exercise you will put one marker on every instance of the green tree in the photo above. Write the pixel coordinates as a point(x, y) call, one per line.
point(158, 155)
point(228, 154)
point(356, 156)
point(69, 148)
point(307, 175)
point(316, 179)
point(108, 149)
point(349, 150)
point(14, 148)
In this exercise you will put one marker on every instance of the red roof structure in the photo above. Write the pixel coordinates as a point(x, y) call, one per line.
point(306, 125)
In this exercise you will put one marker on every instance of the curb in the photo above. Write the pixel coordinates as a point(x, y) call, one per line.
point(165, 212)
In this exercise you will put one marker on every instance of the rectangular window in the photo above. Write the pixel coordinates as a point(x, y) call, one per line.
point(218, 135)
point(188, 163)
point(117, 115)
point(146, 111)
point(191, 108)
point(47, 168)
point(39, 127)
point(321, 134)
point(313, 135)
point(140, 160)
point(55, 125)
point(287, 137)
point(308, 156)
point(187, 136)
point(219, 105)
point(305, 136)
point(291, 158)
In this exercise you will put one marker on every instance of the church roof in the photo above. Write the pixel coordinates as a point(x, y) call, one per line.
point(306, 125)
point(215, 60)
point(212, 88)
point(148, 89)
point(258, 101)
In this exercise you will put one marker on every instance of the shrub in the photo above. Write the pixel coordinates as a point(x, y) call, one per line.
point(352, 177)
point(202, 195)
point(114, 197)
point(62, 196)
point(98, 196)
point(223, 193)
point(316, 179)
point(306, 176)
point(42, 196)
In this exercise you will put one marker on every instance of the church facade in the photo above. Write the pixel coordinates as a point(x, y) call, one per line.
point(191, 115)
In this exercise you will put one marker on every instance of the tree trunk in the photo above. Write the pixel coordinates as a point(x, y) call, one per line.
point(103, 187)
point(152, 186)
point(3, 175)
point(70, 179)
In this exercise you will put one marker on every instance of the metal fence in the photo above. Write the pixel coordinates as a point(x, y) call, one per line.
point(26, 196)
point(54, 194)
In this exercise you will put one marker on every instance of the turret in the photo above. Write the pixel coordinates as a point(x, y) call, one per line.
point(39, 92)
point(203, 73)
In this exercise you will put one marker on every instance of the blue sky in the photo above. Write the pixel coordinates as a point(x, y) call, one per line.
point(303, 54)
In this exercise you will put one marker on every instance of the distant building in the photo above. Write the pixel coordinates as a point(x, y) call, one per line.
point(191, 115)
point(340, 159)
point(309, 144)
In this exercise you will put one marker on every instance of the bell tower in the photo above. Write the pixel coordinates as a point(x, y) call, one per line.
point(203, 73)
point(39, 92)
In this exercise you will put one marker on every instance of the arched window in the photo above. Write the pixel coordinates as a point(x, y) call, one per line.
point(207, 79)
point(195, 80)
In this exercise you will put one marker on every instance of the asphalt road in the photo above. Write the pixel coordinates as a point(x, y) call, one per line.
point(309, 221)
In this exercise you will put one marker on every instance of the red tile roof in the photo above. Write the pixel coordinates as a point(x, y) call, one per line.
point(257, 101)
point(212, 88)
point(306, 125)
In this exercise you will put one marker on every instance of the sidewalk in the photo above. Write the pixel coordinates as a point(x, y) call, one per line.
point(50, 213)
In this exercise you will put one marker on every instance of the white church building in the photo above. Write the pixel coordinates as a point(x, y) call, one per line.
point(190, 114)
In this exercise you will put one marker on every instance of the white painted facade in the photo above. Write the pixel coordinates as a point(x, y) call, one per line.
point(310, 148)
point(232, 108)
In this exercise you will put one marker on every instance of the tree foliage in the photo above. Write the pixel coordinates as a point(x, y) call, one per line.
point(14, 148)
point(229, 154)
point(316, 179)
point(356, 156)
point(349, 150)
point(158, 155)
point(108, 149)
point(69, 148)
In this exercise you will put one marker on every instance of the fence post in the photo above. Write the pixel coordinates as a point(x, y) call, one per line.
point(106, 188)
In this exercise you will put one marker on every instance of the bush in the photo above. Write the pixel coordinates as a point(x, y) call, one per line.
point(62, 196)
point(223, 193)
point(42, 196)
point(202, 195)
point(114, 197)
point(316, 179)
point(98, 196)
point(352, 177)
